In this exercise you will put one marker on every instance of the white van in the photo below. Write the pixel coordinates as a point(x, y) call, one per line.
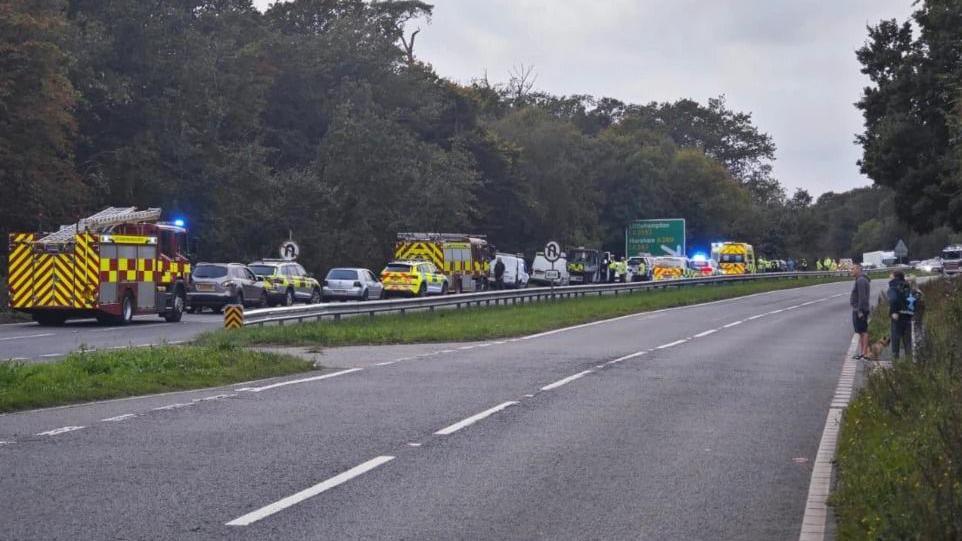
point(540, 265)
point(515, 272)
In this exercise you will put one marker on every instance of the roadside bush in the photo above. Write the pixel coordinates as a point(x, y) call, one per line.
point(900, 451)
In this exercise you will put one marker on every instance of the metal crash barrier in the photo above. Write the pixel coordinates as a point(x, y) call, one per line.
point(335, 311)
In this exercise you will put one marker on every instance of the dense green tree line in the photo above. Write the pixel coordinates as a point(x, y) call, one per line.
point(316, 119)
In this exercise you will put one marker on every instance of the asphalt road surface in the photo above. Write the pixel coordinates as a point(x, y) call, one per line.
point(29, 341)
point(691, 423)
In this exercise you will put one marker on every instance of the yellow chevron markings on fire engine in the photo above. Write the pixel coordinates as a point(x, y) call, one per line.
point(63, 280)
point(233, 316)
point(20, 269)
point(428, 251)
point(87, 271)
point(43, 280)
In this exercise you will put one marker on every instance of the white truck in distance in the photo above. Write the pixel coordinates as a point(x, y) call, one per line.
point(875, 260)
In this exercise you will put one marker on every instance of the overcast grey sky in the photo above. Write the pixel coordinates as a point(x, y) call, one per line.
point(789, 63)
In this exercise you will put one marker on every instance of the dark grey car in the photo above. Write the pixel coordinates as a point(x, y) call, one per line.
point(351, 284)
point(214, 285)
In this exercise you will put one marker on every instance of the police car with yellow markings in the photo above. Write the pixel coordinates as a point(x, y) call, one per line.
point(413, 278)
point(286, 282)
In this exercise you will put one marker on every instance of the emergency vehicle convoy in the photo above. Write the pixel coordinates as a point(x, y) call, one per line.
point(113, 265)
point(123, 262)
point(463, 259)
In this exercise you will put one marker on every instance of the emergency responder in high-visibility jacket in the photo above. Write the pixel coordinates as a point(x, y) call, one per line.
point(622, 270)
point(818, 264)
point(642, 269)
point(613, 270)
point(827, 264)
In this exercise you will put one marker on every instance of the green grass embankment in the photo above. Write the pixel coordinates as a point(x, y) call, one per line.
point(99, 375)
point(900, 449)
point(486, 323)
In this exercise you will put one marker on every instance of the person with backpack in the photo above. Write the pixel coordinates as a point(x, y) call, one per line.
point(902, 304)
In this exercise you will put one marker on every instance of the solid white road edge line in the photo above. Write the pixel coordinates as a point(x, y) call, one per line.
point(816, 505)
point(24, 337)
point(473, 419)
point(323, 486)
point(563, 381)
point(61, 430)
point(302, 380)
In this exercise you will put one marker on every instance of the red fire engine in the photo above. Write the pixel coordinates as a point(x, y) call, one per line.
point(113, 265)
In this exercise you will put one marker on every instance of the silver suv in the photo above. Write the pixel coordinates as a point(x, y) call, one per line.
point(214, 285)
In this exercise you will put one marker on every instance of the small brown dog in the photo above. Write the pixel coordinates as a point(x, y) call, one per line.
point(875, 350)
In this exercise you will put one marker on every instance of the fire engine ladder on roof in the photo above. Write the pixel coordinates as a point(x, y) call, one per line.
point(107, 217)
point(438, 236)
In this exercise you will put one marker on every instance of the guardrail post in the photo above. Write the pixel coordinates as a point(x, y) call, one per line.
point(233, 316)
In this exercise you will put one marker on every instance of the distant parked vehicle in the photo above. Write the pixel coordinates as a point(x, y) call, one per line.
point(703, 266)
point(634, 268)
point(287, 282)
point(215, 285)
point(952, 259)
point(515, 273)
point(930, 265)
point(351, 284)
point(541, 269)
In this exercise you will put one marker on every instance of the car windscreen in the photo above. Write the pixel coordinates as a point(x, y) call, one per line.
point(732, 258)
point(263, 270)
point(210, 271)
point(397, 267)
point(952, 254)
point(342, 274)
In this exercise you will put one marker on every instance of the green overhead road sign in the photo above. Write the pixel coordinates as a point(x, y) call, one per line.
point(656, 237)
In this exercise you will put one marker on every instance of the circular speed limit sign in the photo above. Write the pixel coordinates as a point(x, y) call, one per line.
point(552, 251)
point(290, 250)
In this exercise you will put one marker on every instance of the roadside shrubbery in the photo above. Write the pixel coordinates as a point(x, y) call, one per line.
point(99, 375)
point(900, 451)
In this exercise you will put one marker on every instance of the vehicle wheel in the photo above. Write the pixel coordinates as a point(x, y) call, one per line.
point(366, 295)
point(265, 302)
point(315, 296)
point(422, 291)
point(126, 310)
point(176, 311)
point(444, 288)
point(217, 309)
point(50, 320)
point(289, 297)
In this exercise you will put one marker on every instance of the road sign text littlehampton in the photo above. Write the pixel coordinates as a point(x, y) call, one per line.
point(656, 237)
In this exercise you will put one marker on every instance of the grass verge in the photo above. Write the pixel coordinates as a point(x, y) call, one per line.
point(86, 376)
point(488, 322)
point(900, 450)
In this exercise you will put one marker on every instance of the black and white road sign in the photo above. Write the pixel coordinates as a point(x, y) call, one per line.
point(552, 251)
point(290, 250)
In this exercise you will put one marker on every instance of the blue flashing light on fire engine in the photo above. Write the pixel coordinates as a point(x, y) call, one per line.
point(179, 222)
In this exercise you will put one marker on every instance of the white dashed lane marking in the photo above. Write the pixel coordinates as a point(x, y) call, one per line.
point(323, 486)
point(563, 381)
point(705, 333)
point(473, 419)
point(672, 344)
point(61, 430)
point(118, 418)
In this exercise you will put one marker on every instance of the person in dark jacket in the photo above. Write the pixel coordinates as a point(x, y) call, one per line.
point(499, 274)
point(901, 310)
point(859, 300)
